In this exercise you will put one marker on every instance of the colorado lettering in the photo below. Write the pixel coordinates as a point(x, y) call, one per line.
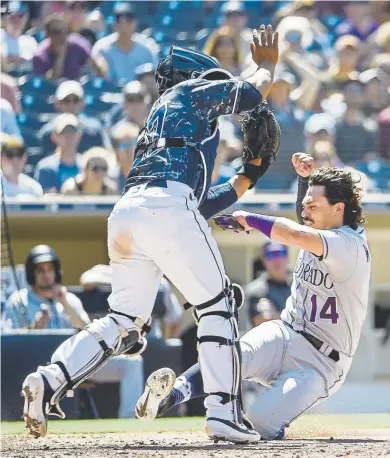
point(313, 276)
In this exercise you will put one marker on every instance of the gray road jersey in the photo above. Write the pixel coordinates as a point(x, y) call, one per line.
point(329, 296)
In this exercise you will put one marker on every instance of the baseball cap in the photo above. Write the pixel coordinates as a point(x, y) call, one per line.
point(144, 69)
point(273, 250)
point(69, 88)
point(123, 8)
point(15, 7)
point(64, 120)
point(232, 7)
point(346, 41)
point(286, 77)
point(318, 122)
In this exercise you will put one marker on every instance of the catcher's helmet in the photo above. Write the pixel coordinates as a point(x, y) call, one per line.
point(184, 64)
point(39, 254)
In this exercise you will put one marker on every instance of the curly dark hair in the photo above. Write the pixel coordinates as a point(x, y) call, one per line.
point(341, 186)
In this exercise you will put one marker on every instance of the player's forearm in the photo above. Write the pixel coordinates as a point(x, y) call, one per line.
point(263, 78)
point(303, 184)
point(287, 232)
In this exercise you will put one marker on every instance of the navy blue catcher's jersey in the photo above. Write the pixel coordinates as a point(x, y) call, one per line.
point(189, 111)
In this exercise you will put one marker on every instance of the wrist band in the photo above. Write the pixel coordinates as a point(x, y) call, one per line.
point(262, 223)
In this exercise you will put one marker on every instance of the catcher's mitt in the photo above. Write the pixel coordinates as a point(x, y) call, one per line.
point(261, 140)
point(227, 221)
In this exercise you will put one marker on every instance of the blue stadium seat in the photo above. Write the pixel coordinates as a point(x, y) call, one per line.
point(31, 84)
point(30, 137)
point(29, 120)
point(95, 86)
point(37, 104)
point(95, 106)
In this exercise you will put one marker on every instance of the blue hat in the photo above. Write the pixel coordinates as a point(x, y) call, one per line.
point(123, 8)
point(16, 7)
point(272, 248)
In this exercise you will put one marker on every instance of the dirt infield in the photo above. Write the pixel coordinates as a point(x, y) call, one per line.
point(366, 443)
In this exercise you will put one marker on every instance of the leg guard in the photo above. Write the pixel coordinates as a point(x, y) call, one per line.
point(225, 306)
point(85, 353)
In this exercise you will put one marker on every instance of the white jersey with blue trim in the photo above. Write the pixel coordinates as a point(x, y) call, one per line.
point(329, 295)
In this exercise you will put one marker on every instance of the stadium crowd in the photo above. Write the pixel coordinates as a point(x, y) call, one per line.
point(77, 83)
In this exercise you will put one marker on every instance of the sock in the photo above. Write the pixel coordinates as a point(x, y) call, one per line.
point(188, 386)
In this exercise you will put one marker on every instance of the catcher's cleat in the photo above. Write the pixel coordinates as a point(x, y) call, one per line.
point(219, 429)
point(36, 404)
point(157, 388)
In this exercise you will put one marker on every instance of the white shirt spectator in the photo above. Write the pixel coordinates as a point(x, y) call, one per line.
point(26, 187)
point(7, 119)
point(23, 46)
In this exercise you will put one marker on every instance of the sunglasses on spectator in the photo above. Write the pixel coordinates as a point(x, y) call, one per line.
point(134, 98)
point(271, 255)
point(123, 146)
point(10, 154)
point(97, 167)
point(71, 100)
point(125, 17)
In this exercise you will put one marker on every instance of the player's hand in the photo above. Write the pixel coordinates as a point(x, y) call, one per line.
point(240, 216)
point(41, 318)
point(264, 47)
point(59, 294)
point(303, 164)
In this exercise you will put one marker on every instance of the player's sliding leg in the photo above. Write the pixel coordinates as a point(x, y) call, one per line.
point(135, 283)
point(164, 391)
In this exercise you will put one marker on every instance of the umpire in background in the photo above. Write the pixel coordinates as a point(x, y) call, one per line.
point(266, 295)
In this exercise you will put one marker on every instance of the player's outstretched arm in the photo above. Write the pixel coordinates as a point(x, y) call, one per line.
point(304, 166)
point(282, 230)
point(265, 54)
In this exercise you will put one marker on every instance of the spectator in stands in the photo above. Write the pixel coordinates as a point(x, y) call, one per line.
point(292, 120)
point(46, 303)
point(355, 135)
point(9, 91)
point(319, 127)
point(346, 63)
point(123, 51)
point(124, 139)
point(95, 27)
point(135, 106)
point(52, 171)
point(92, 179)
point(63, 55)
point(75, 15)
point(70, 99)
point(295, 37)
point(16, 47)
point(8, 123)
point(384, 132)
point(225, 47)
point(145, 74)
point(235, 18)
point(13, 159)
point(266, 295)
point(375, 94)
point(359, 21)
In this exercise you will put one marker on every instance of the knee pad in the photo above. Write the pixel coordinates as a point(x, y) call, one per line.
point(231, 298)
point(98, 342)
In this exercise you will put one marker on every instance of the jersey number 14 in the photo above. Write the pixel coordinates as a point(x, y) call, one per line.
point(327, 312)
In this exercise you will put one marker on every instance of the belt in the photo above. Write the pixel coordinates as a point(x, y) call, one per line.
point(317, 344)
point(173, 142)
